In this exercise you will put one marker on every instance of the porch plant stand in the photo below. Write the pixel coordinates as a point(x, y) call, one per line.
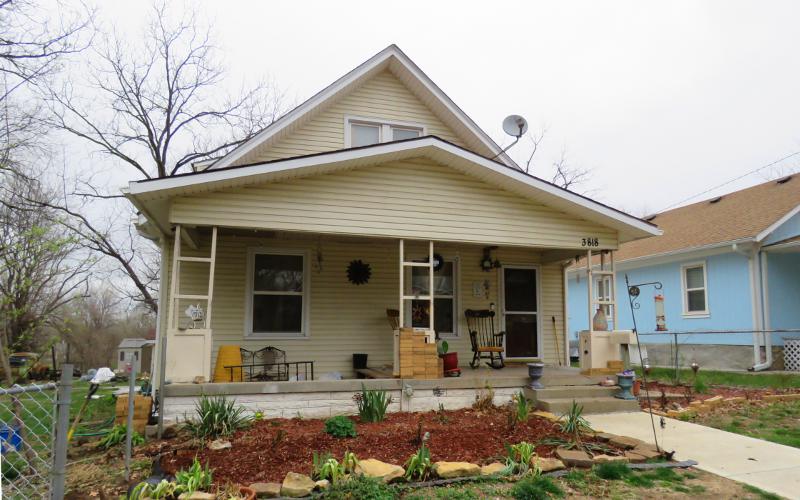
point(535, 371)
point(625, 382)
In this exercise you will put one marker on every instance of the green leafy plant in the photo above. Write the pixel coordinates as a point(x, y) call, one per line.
point(522, 407)
point(418, 466)
point(117, 436)
point(324, 466)
point(217, 416)
point(360, 487)
point(699, 386)
point(536, 488)
point(574, 424)
point(196, 478)
point(521, 458)
point(443, 347)
point(163, 490)
point(372, 404)
point(340, 427)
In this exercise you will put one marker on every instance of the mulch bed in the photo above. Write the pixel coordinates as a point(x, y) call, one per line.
point(271, 448)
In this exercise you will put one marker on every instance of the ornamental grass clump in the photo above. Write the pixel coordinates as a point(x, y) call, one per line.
point(574, 424)
point(117, 436)
point(418, 466)
point(217, 416)
point(372, 405)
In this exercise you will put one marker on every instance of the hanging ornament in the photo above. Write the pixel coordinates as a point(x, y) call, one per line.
point(661, 319)
point(358, 273)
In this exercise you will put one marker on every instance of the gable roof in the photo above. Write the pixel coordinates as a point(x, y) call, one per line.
point(396, 61)
point(747, 215)
point(148, 195)
point(135, 343)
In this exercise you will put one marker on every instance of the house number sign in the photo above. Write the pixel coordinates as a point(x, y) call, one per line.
point(590, 242)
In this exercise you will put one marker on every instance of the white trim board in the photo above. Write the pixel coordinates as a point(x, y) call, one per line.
point(390, 55)
point(778, 223)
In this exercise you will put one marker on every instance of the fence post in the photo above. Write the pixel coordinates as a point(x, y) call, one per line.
point(129, 430)
point(63, 400)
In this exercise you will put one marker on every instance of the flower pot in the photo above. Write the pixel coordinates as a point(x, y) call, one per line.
point(359, 361)
point(535, 371)
point(625, 383)
point(637, 387)
point(247, 493)
point(450, 360)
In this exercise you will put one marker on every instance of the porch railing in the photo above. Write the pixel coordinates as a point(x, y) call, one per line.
point(278, 372)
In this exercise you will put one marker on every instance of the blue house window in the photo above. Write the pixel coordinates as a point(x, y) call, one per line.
point(695, 291)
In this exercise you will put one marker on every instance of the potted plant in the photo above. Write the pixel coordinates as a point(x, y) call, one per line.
point(449, 359)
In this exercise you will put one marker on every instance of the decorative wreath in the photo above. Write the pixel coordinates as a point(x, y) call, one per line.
point(438, 261)
point(358, 272)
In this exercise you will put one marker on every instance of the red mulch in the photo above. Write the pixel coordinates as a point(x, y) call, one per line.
point(271, 448)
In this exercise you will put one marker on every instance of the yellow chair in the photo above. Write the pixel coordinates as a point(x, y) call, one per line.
point(228, 355)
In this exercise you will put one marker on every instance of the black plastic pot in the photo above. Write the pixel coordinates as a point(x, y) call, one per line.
point(359, 361)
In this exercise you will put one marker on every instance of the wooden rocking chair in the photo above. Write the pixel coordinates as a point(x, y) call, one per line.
point(486, 344)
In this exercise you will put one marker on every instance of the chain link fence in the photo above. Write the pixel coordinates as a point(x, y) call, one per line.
point(27, 429)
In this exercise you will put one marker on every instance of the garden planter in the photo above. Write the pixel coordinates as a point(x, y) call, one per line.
point(359, 361)
point(637, 387)
point(247, 493)
point(535, 371)
point(625, 383)
point(450, 360)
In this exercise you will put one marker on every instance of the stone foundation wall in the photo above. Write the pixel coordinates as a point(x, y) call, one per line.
point(710, 356)
point(324, 404)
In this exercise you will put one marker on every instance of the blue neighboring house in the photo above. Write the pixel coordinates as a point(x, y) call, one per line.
point(730, 269)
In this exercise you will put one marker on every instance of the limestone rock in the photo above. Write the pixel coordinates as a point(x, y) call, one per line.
point(381, 470)
point(449, 470)
point(605, 436)
point(601, 459)
point(625, 442)
point(546, 415)
point(713, 401)
point(219, 444)
point(574, 458)
point(197, 495)
point(297, 485)
point(323, 484)
point(169, 431)
point(266, 490)
point(492, 469)
point(550, 464)
point(199, 380)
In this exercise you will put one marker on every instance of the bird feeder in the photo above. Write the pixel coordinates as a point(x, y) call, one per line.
point(661, 320)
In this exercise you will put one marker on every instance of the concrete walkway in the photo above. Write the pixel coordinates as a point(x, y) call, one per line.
point(769, 466)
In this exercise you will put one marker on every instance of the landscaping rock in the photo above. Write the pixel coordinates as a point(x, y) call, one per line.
point(266, 490)
point(493, 468)
point(219, 444)
point(714, 401)
point(624, 442)
point(605, 436)
point(297, 485)
point(574, 458)
point(197, 495)
point(169, 431)
point(381, 470)
point(550, 464)
point(323, 484)
point(735, 399)
point(601, 459)
point(449, 470)
point(199, 380)
point(547, 415)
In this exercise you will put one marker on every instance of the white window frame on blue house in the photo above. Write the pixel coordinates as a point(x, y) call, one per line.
point(685, 290)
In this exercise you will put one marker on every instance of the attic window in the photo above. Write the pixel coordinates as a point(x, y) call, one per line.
point(784, 180)
point(715, 200)
point(368, 131)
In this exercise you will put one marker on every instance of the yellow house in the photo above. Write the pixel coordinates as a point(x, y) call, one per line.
point(363, 199)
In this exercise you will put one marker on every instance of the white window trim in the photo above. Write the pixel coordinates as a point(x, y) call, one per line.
point(385, 132)
point(305, 329)
point(456, 300)
point(685, 291)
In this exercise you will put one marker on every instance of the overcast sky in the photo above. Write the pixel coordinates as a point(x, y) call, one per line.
point(662, 100)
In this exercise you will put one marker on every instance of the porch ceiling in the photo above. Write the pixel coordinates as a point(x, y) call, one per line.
point(152, 197)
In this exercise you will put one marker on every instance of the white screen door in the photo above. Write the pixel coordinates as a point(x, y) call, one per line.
point(521, 312)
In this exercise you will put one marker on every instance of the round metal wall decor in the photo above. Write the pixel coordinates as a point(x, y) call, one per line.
point(438, 261)
point(358, 273)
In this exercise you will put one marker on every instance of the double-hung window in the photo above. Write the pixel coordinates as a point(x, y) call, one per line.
point(367, 131)
point(695, 289)
point(445, 320)
point(277, 295)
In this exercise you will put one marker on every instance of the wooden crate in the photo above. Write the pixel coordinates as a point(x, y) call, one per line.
point(141, 411)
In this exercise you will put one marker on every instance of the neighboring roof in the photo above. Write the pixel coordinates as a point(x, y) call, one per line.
point(747, 215)
point(150, 193)
point(395, 60)
point(135, 343)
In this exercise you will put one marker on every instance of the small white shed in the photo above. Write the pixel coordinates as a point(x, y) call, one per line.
point(135, 352)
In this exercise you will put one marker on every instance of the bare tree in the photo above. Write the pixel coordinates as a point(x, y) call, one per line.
point(566, 175)
point(156, 111)
point(535, 138)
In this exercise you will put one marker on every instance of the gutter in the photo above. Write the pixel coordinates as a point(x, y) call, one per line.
point(755, 265)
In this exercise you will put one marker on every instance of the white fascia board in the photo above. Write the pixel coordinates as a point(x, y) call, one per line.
point(413, 146)
point(343, 82)
point(778, 223)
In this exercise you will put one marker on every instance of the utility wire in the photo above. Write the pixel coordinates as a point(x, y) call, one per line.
point(730, 181)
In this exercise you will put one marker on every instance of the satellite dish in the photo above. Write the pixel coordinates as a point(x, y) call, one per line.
point(515, 126)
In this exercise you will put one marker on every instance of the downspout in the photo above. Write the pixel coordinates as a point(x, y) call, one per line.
point(756, 295)
point(764, 303)
point(564, 267)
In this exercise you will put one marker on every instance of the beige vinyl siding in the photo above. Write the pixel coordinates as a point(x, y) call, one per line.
point(382, 97)
point(420, 199)
point(347, 318)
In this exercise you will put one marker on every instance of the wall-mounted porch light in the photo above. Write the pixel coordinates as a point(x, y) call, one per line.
point(487, 264)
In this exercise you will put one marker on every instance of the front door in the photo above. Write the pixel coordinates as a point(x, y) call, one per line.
point(521, 312)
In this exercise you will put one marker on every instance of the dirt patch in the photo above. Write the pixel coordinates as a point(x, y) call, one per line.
point(271, 448)
point(671, 392)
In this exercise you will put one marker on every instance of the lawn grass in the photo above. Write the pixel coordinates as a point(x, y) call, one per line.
point(776, 422)
point(730, 379)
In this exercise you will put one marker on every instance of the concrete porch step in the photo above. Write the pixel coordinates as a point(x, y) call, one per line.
point(575, 391)
point(602, 404)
